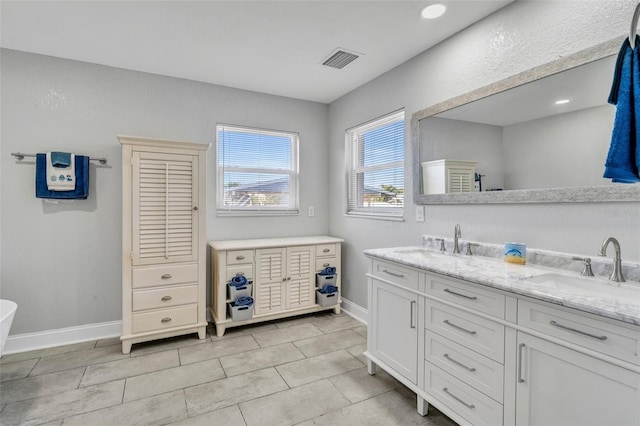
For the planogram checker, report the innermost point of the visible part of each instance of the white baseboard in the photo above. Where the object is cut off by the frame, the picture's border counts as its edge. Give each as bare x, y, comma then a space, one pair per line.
356, 311
61, 336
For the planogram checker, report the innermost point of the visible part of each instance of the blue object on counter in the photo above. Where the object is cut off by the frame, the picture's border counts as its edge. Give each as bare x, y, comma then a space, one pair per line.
238, 281
327, 289
330, 270
244, 301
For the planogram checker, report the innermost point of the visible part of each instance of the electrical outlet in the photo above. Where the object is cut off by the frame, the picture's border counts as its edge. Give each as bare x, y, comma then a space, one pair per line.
419, 213
311, 211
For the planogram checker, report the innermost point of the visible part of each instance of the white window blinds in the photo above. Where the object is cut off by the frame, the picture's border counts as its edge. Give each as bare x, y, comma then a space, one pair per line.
257, 171
376, 167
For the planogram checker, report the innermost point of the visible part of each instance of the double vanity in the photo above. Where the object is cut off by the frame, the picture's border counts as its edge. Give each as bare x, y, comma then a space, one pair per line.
492, 343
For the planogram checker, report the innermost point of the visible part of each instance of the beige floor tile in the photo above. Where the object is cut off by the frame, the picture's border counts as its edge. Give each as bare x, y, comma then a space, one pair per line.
217, 349
293, 406
160, 345
305, 319
230, 416
108, 342
16, 370
384, 410
245, 362
37, 386
358, 385
156, 410
290, 334
337, 322
130, 367
233, 390
358, 352
328, 342
69, 360
244, 330
171, 379
361, 331
64, 404
47, 352
320, 367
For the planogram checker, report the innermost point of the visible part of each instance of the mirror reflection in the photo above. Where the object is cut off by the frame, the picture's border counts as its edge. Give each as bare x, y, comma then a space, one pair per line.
549, 133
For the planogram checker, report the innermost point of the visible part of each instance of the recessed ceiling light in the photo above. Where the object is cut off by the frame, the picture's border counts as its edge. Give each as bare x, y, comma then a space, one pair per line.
433, 11
562, 101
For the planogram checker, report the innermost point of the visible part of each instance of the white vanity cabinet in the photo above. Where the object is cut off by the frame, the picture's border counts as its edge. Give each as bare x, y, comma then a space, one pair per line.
282, 272
559, 385
163, 245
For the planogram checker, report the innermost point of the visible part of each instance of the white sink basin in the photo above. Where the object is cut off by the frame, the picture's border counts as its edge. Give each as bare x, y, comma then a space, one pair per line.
589, 286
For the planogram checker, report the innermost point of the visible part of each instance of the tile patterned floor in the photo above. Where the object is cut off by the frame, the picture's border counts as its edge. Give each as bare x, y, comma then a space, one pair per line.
302, 371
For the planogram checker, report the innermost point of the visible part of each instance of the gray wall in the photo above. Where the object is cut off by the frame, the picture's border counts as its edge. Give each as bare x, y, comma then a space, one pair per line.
514, 39
62, 262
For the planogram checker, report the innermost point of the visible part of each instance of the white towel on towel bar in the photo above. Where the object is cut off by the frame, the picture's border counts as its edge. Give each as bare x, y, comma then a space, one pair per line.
61, 178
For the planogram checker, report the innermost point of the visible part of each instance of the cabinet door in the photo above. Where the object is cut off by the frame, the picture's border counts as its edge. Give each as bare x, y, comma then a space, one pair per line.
270, 278
300, 285
394, 316
559, 386
164, 208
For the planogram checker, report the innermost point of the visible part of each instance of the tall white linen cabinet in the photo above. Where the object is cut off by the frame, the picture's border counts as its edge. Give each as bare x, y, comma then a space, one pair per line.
163, 239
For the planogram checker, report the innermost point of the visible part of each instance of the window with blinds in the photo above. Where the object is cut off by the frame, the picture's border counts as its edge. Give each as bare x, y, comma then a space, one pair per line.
376, 167
257, 171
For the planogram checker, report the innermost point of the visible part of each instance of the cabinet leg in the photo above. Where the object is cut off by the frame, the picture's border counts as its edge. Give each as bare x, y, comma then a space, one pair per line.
336, 310
202, 333
220, 329
423, 405
126, 347
371, 367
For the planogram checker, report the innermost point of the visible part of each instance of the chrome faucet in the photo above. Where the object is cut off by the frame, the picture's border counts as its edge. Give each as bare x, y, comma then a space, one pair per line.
616, 274
456, 235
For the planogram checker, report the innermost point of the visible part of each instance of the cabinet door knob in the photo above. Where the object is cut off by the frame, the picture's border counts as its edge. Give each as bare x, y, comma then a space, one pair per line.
165, 320
166, 276
195, 208
166, 298
239, 257
326, 251
326, 264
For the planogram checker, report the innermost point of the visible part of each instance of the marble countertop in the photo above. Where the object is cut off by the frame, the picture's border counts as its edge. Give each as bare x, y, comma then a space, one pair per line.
564, 287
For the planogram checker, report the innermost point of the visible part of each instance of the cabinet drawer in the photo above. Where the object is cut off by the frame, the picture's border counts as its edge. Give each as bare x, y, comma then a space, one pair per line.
474, 369
164, 297
481, 335
481, 300
325, 263
323, 250
239, 256
474, 406
617, 341
396, 274
165, 318
156, 275
245, 269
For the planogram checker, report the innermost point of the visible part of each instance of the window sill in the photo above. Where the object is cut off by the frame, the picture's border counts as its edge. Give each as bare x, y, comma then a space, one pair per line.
257, 213
376, 217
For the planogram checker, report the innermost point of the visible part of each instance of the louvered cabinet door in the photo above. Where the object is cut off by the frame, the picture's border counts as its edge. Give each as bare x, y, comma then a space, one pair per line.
270, 281
165, 208
300, 285
460, 180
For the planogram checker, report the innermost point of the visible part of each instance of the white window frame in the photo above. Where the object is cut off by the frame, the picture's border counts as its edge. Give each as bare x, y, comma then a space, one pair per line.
293, 173
354, 147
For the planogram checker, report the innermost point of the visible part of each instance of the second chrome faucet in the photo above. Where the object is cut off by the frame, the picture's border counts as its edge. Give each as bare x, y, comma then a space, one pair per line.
616, 274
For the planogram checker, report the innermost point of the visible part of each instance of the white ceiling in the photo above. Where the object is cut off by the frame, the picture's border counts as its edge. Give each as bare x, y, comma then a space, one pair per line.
267, 46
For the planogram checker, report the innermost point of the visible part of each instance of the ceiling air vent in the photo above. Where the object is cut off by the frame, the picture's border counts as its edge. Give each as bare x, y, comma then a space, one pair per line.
340, 58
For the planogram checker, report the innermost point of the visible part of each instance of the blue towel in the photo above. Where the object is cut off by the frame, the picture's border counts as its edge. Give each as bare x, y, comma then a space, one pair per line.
623, 160
243, 301
328, 289
61, 159
330, 270
238, 281
82, 180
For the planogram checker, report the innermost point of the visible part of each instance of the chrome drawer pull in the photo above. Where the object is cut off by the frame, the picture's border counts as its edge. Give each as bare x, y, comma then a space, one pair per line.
411, 324
459, 328
470, 406
166, 276
239, 257
166, 298
165, 320
461, 295
326, 264
520, 347
555, 324
326, 251
393, 273
458, 363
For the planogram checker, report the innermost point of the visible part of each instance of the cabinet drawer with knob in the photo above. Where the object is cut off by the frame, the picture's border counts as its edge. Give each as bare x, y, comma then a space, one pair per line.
165, 318
236, 257
157, 275
164, 297
325, 250
326, 263
396, 274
